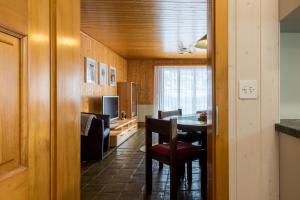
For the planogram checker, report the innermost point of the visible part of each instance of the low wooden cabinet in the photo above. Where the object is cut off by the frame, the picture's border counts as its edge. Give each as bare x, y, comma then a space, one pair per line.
121, 130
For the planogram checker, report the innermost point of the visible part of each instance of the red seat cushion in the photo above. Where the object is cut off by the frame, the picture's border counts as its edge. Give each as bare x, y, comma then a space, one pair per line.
185, 151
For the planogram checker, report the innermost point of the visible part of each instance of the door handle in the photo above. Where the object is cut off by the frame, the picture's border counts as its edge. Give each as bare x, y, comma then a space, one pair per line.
217, 120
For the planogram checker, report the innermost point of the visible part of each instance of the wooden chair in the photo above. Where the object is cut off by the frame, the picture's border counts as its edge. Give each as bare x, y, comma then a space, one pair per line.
190, 137
173, 153
164, 114
182, 136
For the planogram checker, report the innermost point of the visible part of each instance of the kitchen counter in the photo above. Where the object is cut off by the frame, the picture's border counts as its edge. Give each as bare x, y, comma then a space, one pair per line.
289, 158
289, 126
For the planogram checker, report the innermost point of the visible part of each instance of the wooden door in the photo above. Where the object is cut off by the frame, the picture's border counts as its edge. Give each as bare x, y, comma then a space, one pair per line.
24, 100
13, 123
218, 169
39, 100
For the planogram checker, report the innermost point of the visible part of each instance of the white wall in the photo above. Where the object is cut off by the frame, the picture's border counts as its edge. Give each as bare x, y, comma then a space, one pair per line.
253, 142
290, 76
144, 110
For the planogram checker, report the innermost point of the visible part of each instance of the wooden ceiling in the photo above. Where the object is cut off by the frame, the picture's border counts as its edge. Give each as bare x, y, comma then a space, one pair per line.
146, 28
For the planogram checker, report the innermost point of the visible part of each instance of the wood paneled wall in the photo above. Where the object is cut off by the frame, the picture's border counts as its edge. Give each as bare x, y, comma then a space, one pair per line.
14, 15
253, 142
91, 93
142, 73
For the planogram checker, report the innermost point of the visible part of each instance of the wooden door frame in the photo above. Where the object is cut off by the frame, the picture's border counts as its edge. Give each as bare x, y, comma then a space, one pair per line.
218, 154
65, 99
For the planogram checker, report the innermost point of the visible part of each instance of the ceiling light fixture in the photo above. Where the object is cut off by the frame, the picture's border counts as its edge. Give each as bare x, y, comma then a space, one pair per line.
202, 43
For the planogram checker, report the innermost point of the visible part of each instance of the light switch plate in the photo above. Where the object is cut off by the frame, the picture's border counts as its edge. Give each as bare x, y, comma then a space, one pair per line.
248, 89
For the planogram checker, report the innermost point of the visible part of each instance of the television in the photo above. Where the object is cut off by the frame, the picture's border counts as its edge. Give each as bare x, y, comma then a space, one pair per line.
110, 106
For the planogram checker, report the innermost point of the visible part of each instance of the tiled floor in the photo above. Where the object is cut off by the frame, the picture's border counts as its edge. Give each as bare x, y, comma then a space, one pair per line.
121, 176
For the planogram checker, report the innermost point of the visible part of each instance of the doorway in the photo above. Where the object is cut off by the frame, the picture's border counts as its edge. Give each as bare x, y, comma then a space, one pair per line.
142, 70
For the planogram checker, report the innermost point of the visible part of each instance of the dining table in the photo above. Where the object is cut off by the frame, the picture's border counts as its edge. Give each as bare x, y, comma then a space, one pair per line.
189, 123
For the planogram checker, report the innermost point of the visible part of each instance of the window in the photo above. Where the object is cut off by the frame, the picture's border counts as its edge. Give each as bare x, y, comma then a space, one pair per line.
181, 87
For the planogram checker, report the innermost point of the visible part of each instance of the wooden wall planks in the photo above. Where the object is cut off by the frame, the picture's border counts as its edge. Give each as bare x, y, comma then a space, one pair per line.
286, 7
146, 29
91, 93
253, 142
142, 73
14, 15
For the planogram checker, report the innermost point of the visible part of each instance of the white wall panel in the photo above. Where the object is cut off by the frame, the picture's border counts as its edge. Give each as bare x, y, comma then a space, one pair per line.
289, 76
253, 55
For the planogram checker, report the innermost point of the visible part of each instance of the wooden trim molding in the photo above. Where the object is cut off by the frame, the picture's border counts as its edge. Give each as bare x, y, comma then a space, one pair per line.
218, 167
221, 97
65, 99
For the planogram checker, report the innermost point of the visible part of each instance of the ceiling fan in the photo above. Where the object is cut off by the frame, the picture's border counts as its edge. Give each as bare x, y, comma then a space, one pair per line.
199, 44
183, 49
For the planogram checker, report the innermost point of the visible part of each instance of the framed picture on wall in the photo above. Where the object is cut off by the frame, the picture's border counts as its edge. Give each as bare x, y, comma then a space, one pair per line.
90, 70
113, 76
103, 74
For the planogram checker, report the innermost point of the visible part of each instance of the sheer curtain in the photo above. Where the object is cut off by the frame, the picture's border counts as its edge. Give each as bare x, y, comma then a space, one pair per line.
180, 87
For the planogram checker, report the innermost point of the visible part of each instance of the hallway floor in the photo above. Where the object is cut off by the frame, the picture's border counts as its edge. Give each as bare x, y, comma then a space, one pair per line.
121, 176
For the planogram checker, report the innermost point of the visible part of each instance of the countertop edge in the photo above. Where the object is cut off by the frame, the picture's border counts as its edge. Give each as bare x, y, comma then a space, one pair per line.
289, 130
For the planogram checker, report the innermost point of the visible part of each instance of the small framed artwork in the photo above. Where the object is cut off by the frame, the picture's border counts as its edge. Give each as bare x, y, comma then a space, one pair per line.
113, 76
90, 70
103, 74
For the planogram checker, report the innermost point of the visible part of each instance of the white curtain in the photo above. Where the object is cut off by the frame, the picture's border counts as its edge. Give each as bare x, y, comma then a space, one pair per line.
180, 87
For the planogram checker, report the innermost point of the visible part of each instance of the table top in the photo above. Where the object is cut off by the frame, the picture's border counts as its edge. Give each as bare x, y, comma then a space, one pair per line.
189, 122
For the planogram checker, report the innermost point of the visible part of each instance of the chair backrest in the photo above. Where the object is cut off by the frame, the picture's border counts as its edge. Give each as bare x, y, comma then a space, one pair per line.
200, 111
165, 128
164, 114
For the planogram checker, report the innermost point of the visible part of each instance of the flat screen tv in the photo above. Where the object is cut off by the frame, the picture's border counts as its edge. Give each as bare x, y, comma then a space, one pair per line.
110, 106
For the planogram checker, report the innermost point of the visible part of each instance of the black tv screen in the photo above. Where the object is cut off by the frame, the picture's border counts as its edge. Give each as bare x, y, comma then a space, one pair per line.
110, 106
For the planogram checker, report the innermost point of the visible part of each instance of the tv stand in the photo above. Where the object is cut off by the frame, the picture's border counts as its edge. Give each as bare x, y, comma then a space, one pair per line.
112, 123
121, 130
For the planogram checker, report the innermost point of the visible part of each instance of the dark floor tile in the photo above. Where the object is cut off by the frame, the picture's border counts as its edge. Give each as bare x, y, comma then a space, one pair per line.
92, 188
110, 171
87, 195
126, 171
107, 196
159, 178
113, 187
121, 176
158, 187
137, 178
154, 196
117, 166
182, 195
85, 180
134, 188
130, 196
102, 179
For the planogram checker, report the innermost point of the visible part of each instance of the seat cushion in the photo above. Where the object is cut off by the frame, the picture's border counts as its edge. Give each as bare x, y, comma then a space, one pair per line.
185, 151
106, 132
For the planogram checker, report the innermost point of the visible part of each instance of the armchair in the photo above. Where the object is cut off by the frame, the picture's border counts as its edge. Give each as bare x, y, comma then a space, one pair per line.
97, 141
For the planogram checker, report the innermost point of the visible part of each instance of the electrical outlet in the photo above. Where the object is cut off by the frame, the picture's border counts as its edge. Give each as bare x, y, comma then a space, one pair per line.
248, 89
